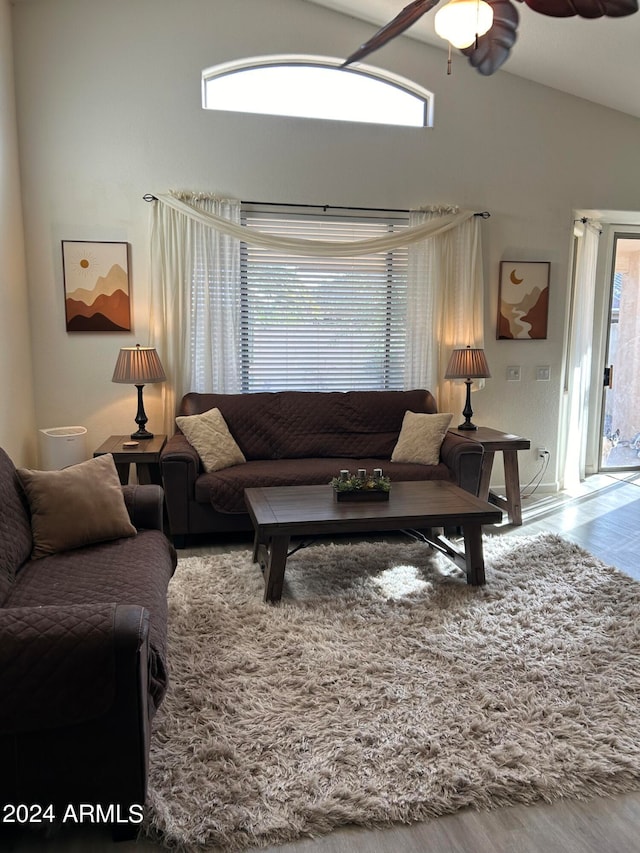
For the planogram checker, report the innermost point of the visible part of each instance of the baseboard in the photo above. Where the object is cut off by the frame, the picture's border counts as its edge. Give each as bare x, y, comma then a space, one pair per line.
549, 488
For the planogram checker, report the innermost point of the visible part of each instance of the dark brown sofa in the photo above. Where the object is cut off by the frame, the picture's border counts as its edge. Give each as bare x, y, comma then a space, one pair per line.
298, 438
82, 660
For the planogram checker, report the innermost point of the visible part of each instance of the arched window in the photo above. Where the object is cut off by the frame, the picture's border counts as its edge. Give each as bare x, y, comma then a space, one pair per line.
316, 87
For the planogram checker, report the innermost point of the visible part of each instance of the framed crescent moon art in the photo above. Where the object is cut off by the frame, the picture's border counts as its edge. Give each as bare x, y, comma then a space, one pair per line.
523, 301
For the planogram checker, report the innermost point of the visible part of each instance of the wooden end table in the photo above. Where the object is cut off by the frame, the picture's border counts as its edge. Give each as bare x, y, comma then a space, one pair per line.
280, 512
145, 456
494, 441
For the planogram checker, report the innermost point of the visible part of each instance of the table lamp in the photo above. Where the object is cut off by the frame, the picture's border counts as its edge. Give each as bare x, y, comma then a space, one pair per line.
467, 364
139, 366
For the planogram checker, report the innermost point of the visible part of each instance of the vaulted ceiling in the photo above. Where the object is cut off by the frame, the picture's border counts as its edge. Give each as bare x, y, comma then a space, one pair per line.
594, 59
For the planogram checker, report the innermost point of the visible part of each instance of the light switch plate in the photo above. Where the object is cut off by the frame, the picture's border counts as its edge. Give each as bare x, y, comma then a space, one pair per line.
543, 374
513, 373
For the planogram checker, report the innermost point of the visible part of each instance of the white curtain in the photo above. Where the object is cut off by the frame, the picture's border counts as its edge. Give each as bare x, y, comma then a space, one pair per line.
445, 304
579, 356
197, 332
195, 329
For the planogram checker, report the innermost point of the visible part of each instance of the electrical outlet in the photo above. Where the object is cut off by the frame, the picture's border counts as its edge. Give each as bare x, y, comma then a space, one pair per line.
542, 452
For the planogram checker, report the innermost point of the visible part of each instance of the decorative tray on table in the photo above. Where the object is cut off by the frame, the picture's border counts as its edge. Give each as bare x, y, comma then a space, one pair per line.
361, 486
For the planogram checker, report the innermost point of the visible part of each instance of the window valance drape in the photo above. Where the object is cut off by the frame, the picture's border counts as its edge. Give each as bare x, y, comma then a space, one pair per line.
447, 218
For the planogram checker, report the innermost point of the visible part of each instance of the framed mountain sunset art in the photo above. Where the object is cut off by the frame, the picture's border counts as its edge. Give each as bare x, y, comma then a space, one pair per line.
96, 286
523, 302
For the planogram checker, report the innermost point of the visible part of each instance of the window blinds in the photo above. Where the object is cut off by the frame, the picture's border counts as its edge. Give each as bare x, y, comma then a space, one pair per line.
327, 324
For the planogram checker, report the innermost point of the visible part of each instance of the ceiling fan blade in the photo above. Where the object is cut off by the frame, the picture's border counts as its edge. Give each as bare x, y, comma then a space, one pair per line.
583, 8
403, 20
495, 46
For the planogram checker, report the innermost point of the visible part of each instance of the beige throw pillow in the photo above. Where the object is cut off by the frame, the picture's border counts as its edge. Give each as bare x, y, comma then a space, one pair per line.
421, 437
76, 506
209, 434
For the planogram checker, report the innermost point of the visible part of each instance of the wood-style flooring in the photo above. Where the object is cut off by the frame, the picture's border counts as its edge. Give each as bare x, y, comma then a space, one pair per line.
603, 516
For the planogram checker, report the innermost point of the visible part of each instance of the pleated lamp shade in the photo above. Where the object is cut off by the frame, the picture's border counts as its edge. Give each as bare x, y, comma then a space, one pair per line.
467, 363
138, 366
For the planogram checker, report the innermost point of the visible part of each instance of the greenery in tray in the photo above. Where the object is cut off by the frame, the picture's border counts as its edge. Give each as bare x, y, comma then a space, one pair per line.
353, 483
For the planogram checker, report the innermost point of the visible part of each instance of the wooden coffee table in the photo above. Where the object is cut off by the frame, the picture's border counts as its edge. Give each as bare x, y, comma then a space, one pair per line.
281, 512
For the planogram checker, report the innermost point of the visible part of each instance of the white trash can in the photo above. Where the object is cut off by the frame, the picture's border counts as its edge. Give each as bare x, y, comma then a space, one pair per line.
62, 446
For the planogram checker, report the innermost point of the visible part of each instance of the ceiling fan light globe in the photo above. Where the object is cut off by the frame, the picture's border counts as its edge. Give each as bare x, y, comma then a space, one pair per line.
460, 21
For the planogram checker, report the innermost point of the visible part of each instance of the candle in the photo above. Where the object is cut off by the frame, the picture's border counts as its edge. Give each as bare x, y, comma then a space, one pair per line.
362, 473
377, 473
344, 474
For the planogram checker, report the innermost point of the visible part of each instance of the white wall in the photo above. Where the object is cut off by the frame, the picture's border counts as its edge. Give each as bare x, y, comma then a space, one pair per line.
17, 416
109, 109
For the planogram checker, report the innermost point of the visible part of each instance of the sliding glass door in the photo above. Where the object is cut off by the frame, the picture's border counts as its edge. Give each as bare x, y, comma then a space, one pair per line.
620, 433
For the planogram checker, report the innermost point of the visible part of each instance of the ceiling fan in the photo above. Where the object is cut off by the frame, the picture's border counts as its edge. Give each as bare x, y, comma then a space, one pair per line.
491, 32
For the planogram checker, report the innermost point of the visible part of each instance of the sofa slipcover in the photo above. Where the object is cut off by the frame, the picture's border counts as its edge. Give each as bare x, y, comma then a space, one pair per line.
298, 438
83, 663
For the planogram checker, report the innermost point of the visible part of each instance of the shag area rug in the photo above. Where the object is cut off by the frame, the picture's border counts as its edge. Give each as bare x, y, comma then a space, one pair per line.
383, 688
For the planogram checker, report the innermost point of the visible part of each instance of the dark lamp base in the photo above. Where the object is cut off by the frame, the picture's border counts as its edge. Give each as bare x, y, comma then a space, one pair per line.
141, 419
142, 434
467, 411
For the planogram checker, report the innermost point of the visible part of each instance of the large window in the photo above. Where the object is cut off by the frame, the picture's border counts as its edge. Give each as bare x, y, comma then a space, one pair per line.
329, 324
316, 87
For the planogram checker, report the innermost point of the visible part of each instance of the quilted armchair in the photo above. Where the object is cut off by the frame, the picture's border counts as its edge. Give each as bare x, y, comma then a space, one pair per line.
82, 643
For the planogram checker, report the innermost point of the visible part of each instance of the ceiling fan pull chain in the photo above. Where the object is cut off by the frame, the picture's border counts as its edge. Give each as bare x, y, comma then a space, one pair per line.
449, 60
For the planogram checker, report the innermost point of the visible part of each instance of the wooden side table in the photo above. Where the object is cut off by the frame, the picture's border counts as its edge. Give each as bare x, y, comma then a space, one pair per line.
494, 441
145, 456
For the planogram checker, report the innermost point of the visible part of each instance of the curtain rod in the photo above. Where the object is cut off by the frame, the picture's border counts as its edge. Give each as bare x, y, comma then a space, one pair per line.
484, 214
